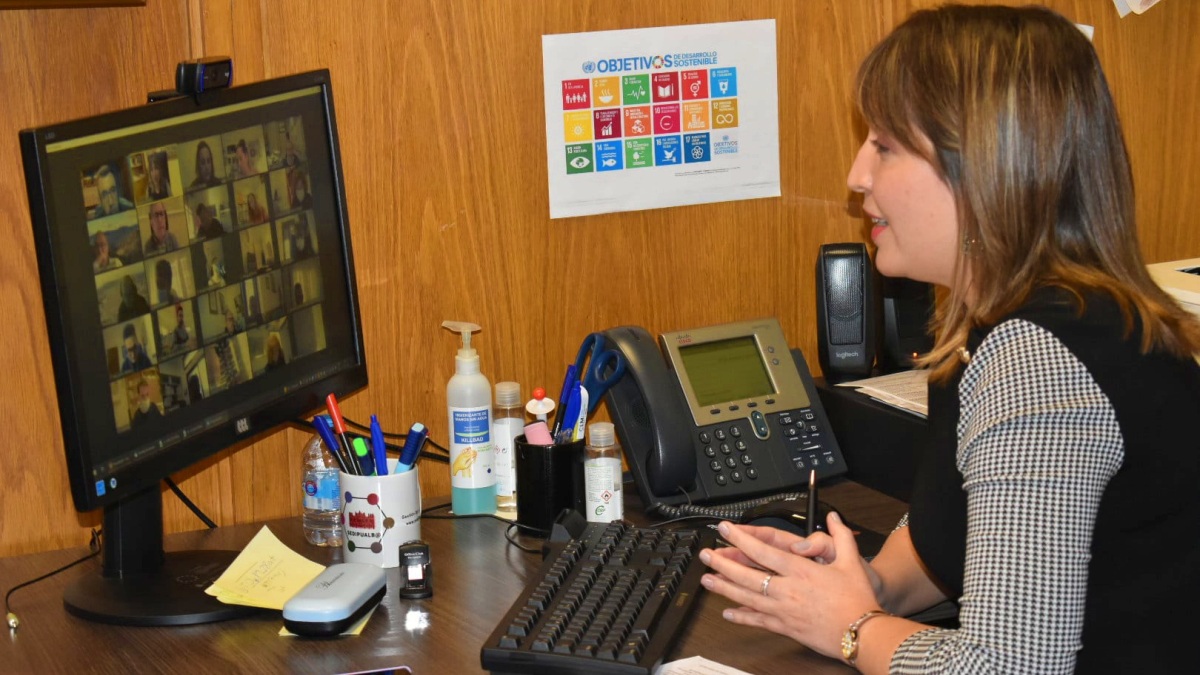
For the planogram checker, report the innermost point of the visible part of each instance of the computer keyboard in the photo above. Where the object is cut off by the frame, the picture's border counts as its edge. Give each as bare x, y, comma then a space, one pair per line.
611, 600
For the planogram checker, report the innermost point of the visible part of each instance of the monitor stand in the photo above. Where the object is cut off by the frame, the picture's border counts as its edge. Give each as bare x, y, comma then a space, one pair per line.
142, 586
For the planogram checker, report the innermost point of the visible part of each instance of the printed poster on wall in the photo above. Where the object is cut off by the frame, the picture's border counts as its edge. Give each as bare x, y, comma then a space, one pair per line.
654, 117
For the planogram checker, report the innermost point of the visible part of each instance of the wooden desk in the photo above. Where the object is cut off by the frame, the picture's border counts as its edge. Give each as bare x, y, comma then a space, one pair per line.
442, 634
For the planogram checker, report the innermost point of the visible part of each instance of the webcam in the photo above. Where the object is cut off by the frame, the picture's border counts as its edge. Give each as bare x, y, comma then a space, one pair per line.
200, 75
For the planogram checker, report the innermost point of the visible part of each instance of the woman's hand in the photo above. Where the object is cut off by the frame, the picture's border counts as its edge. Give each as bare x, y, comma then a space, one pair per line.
808, 589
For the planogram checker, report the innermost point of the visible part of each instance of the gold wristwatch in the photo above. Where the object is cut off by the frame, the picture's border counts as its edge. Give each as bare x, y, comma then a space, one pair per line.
850, 637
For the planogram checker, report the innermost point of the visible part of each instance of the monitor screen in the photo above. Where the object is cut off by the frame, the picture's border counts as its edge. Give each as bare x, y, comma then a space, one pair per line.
197, 278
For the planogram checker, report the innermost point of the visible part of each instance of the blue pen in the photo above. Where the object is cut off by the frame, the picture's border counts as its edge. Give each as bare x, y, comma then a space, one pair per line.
566, 433
325, 431
412, 447
378, 447
563, 399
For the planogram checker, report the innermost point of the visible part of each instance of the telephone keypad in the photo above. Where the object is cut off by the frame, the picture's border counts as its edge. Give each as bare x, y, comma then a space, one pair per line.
798, 428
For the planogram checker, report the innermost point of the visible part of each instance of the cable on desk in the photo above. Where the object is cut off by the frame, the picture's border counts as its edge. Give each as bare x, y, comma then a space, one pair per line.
425, 513
93, 545
732, 511
404, 436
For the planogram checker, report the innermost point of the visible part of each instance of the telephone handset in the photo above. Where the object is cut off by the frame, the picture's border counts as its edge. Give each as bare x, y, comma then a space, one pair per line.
718, 414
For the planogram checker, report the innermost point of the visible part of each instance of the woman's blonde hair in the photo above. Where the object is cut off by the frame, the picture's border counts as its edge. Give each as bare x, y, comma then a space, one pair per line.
1021, 126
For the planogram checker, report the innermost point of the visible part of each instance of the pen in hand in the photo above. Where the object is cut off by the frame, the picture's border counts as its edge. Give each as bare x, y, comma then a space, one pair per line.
810, 515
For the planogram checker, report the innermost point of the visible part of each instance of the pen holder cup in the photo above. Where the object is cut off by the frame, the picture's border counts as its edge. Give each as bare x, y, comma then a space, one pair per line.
549, 479
379, 513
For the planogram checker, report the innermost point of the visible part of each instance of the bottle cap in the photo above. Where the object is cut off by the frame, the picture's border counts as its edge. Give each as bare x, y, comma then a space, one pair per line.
508, 394
600, 434
540, 405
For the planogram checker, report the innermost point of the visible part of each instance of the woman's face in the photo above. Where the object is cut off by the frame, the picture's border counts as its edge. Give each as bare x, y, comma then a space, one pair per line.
158, 221
912, 210
101, 247
204, 163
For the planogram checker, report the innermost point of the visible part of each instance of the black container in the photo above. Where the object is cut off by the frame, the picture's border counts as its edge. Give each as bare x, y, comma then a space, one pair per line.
549, 479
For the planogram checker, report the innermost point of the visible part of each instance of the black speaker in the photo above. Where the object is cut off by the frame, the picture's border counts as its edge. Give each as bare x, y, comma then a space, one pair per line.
907, 309
847, 314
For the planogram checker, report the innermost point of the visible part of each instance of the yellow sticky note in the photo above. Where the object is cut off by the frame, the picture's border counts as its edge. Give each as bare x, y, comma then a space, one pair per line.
265, 574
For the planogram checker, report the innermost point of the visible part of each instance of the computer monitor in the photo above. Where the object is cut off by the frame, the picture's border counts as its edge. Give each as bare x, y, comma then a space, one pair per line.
199, 290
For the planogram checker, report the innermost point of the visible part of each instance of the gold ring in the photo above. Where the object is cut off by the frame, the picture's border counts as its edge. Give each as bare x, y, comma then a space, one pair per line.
765, 583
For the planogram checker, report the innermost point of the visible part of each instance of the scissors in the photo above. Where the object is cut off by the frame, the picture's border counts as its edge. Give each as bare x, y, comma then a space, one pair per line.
602, 360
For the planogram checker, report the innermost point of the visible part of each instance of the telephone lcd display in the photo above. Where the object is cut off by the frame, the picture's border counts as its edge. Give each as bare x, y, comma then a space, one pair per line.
726, 370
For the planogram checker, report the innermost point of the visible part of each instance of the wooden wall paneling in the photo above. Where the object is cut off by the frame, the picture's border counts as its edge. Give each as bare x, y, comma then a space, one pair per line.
1150, 60
439, 104
56, 65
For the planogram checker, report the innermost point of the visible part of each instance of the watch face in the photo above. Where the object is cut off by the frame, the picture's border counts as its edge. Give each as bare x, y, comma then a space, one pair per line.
849, 645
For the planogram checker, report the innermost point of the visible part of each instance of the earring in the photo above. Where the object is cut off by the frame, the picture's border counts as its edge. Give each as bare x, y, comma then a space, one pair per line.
967, 243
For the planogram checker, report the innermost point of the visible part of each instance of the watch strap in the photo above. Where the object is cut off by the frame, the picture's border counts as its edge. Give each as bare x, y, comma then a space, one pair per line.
850, 637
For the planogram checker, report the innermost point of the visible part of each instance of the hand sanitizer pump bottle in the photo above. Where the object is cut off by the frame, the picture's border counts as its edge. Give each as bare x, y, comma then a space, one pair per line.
469, 404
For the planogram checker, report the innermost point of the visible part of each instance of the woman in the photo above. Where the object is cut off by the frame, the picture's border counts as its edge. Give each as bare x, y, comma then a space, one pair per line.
298, 197
275, 356
1055, 498
159, 184
161, 240
206, 171
255, 213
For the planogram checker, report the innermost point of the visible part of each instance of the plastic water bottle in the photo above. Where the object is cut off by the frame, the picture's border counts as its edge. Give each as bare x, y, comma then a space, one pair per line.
322, 495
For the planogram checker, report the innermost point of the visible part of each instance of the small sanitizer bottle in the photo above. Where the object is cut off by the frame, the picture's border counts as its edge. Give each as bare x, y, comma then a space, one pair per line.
469, 404
602, 475
508, 422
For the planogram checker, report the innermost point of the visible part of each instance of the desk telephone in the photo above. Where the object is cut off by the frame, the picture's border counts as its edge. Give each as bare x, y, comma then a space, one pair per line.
718, 414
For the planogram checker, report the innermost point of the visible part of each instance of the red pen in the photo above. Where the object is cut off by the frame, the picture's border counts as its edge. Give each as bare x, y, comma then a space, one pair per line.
339, 426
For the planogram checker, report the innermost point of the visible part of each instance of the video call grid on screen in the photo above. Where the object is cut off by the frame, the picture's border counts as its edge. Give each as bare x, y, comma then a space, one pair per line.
196, 241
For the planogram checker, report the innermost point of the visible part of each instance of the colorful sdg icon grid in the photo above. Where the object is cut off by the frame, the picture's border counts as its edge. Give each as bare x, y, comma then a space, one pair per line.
617, 122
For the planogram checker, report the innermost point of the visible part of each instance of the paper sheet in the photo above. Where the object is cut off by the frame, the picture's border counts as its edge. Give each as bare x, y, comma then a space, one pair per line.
697, 665
265, 574
907, 390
